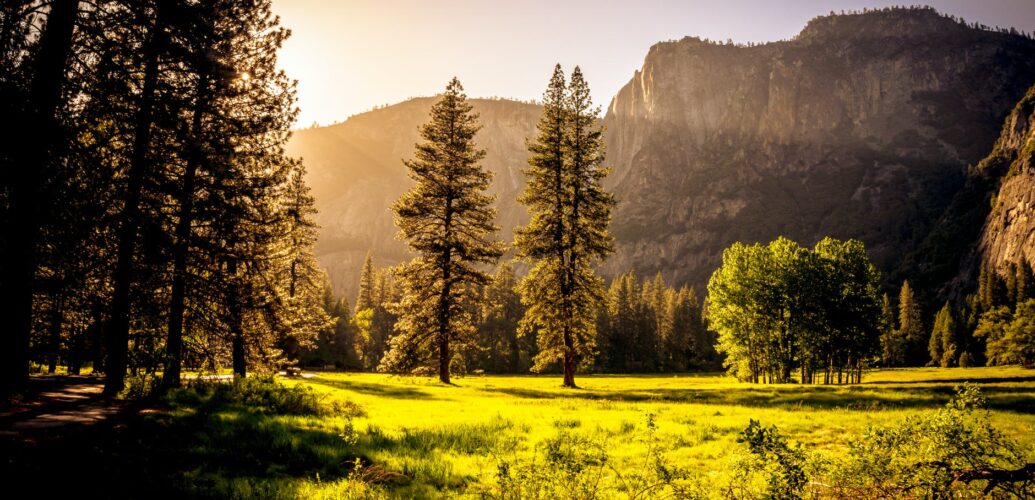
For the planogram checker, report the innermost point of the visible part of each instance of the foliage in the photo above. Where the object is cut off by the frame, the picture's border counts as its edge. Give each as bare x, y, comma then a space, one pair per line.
262, 394
448, 221
652, 327
1010, 335
911, 332
955, 452
781, 307
942, 344
782, 465
498, 347
568, 231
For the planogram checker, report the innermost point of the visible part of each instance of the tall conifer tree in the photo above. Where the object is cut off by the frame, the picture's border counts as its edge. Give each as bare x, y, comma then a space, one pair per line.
567, 234
911, 328
447, 219
365, 297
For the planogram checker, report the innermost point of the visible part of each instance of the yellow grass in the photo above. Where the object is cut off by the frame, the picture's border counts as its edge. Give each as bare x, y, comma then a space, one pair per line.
449, 440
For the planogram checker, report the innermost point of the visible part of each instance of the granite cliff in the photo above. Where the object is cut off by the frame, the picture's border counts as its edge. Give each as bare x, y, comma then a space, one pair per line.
1008, 235
863, 126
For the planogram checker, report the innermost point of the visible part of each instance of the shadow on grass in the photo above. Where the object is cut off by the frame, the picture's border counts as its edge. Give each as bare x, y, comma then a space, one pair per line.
974, 380
1015, 399
207, 451
374, 389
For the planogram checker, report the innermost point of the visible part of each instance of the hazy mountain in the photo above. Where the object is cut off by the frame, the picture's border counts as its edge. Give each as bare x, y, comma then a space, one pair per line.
862, 126
356, 172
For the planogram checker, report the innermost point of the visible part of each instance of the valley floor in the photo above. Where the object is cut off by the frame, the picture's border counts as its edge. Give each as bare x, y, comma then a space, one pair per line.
491, 435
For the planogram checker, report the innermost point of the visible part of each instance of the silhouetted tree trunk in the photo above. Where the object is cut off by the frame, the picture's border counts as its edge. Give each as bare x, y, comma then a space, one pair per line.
56, 316
32, 158
177, 304
236, 321
117, 334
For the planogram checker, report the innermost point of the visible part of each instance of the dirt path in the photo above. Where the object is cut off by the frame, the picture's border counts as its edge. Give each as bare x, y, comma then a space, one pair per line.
55, 403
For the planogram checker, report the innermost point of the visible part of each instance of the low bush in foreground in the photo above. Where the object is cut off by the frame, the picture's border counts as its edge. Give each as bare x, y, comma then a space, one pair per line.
262, 395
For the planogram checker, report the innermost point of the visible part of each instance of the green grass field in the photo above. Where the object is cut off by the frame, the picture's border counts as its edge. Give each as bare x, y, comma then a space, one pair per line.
345, 435
436, 439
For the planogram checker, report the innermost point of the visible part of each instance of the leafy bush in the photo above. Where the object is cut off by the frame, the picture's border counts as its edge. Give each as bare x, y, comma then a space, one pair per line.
140, 386
955, 452
571, 465
264, 395
782, 465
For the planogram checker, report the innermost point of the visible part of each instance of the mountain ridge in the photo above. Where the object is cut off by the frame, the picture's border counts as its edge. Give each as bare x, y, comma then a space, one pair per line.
862, 126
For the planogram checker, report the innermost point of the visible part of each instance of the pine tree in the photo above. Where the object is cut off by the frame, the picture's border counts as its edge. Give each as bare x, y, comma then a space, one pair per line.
1025, 281
891, 344
447, 219
501, 311
30, 149
303, 316
364, 299
1010, 283
911, 330
567, 234
942, 345
143, 114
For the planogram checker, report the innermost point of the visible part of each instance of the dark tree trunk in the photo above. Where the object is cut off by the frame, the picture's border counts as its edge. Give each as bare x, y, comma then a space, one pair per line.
56, 317
177, 301
239, 362
443, 358
236, 319
32, 158
569, 363
75, 352
117, 333
515, 352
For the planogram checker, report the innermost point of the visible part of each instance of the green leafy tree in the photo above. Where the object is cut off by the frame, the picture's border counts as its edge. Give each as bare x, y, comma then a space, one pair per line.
781, 306
1009, 336
567, 234
447, 219
942, 344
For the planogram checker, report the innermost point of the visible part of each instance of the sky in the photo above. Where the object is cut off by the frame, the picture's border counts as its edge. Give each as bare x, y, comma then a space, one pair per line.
350, 56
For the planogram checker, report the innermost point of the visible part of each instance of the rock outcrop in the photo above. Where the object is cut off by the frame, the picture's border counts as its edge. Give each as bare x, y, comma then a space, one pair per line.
862, 126
1008, 235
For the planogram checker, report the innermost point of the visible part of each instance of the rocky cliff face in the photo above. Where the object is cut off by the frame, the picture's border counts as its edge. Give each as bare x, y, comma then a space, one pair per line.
356, 172
1008, 235
862, 126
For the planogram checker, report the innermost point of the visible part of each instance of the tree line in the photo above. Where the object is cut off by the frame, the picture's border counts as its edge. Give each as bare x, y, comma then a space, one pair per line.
784, 313
782, 310
643, 326
152, 220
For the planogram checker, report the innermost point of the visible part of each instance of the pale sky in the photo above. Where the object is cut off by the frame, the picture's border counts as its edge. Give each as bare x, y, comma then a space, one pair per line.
352, 55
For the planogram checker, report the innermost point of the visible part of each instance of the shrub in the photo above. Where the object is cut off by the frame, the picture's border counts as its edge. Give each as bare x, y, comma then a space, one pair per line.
263, 394
955, 452
140, 386
782, 465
